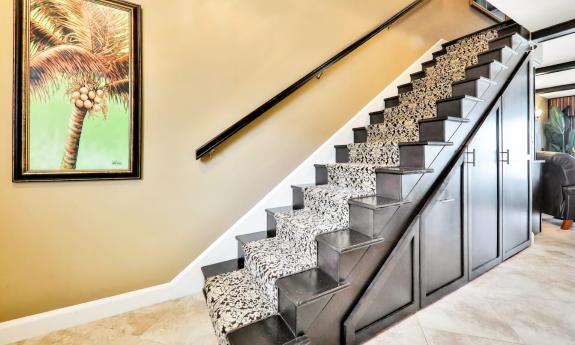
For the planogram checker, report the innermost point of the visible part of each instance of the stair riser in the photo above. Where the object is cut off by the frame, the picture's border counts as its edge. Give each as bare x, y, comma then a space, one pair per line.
437, 130
369, 222
429, 64
512, 42
374, 119
417, 76
439, 53
456, 108
418, 156
514, 29
396, 186
360, 135
475, 88
297, 198
405, 88
503, 55
392, 102
337, 265
341, 154
489, 71
299, 318
321, 175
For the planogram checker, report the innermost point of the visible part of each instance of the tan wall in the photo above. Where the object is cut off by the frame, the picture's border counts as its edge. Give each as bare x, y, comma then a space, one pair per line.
541, 103
206, 64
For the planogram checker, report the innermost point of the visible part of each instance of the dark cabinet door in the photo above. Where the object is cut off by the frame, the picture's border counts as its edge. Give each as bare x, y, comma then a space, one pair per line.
515, 194
483, 197
443, 241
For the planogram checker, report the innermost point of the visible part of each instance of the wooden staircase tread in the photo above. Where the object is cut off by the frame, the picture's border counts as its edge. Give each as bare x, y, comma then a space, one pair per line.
254, 236
454, 98
502, 65
480, 78
511, 50
376, 202
346, 240
221, 267
308, 286
269, 331
444, 118
279, 209
403, 170
426, 143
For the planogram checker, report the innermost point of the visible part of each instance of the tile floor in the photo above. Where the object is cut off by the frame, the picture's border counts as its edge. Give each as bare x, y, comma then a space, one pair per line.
528, 300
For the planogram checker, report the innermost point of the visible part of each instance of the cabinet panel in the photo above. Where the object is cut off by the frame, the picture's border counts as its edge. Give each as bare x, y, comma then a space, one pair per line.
515, 164
483, 197
443, 241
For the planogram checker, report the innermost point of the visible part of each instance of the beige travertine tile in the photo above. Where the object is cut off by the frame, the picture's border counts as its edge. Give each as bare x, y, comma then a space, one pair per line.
539, 321
61, 337
529, 299
436, 337
473, 316
407, 332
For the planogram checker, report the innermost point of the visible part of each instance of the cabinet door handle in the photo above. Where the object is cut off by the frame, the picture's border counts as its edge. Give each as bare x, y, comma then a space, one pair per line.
506, 159
472, 153
447, 200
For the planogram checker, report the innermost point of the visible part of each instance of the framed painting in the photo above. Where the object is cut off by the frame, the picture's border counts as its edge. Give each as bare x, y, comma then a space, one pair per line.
77, 90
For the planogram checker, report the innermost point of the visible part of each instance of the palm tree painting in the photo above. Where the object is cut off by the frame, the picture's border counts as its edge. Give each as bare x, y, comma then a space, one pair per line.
78, 112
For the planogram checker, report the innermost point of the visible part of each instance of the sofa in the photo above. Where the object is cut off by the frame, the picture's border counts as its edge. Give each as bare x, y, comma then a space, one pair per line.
558, 186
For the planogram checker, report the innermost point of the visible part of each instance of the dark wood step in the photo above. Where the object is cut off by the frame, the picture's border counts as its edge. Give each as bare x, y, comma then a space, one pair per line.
511, 40
302, 296
428, 64
271, 220
474, 87
396, 183
360, 135
439, 53
298, 194
269, 331
369, 215
341, 154
488, 70
514, 28
457, 106
391, 102
320, 174
376, 202
404, 88
420, 154
502, 54
439, 129
222, 267
346, 240
376, 117
417, 75
252, 237
338, 251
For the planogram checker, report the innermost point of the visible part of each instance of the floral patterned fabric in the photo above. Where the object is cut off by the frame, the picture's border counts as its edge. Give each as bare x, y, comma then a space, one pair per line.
238, 298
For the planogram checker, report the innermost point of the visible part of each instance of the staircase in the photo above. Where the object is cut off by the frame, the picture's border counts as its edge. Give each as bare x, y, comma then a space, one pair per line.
303, 279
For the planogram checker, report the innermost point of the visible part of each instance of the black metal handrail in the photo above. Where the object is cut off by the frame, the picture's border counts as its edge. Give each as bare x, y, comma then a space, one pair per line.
246, 120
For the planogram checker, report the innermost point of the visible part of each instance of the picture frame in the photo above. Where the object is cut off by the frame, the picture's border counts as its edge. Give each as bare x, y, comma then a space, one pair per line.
77, 93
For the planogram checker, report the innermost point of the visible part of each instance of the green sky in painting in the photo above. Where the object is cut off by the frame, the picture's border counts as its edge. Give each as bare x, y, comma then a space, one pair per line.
104, 144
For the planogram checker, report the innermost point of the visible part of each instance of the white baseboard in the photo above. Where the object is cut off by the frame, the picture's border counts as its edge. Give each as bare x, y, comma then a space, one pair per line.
190, 280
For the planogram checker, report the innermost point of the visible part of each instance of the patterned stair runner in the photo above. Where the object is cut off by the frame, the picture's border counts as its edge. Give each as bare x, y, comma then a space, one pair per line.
242, 297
